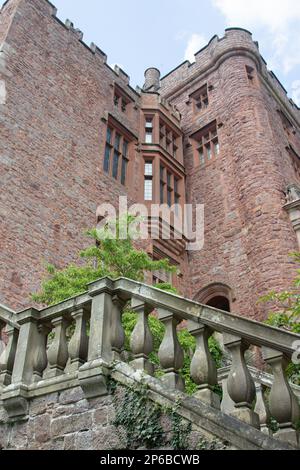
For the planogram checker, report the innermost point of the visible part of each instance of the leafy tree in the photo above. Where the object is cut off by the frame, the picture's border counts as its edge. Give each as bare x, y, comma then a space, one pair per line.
110, 255
286, 313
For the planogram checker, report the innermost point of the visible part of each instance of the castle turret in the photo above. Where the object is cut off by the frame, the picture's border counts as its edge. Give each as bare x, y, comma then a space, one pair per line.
152, 79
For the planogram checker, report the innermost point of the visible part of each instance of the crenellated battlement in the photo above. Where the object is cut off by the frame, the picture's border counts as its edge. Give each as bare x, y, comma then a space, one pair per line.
236, 41
47, 7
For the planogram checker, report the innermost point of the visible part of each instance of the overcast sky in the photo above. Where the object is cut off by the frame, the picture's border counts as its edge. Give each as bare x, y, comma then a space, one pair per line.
137, 34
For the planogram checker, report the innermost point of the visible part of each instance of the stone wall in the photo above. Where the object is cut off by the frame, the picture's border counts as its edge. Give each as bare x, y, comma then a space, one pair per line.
62, 392
52, 146
59, 93
248, 234
67, 421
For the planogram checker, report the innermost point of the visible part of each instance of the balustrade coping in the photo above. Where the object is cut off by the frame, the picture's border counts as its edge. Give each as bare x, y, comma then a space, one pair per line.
254, 332
259, 376
8, 316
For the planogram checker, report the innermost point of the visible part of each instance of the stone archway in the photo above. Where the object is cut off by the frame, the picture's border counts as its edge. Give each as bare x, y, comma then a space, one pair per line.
216, 295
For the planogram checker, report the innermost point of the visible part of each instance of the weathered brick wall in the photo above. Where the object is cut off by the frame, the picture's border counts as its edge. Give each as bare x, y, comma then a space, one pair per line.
67, 421
248, 235
51, 147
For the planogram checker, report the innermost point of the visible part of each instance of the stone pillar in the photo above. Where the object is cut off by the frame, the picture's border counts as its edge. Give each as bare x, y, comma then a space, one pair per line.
284, 406
78, 344
15, 395
7, 357
92, 375
203, 368
58, 351
141, 342
170, 352
240, 384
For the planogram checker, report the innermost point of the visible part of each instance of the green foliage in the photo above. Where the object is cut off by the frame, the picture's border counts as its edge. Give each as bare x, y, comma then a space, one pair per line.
180, 430
108, 256
166, 287
204, 444
186, 340
139, 418
286, 313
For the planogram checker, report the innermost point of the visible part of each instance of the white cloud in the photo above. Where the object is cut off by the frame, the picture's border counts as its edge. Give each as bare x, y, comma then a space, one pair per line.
195, 43
275, 14
279, 22
296, 92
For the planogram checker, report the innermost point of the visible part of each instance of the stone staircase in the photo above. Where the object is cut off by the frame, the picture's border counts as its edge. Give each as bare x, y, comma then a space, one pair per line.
41, 365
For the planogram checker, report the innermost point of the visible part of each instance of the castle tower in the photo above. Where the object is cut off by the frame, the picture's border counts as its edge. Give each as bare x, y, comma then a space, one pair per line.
74, 134
241, 151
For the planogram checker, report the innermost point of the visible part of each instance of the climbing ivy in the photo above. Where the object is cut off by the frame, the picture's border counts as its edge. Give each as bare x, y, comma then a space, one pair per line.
180, 430
204, 444
138, 418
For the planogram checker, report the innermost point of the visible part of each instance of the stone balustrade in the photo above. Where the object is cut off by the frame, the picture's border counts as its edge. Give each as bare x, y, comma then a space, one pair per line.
9, 337
79, 341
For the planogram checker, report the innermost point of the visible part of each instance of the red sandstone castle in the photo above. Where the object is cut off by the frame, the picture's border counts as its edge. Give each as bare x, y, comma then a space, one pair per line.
74, 134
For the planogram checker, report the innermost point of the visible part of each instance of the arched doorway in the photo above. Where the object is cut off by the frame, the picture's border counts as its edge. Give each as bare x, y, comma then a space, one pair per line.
216, 295
220, 302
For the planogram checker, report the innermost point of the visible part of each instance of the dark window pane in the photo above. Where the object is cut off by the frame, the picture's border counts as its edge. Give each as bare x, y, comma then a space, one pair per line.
162, 190
169, 197
175, 185
124, 170
115, 165
201, 156
208, 152
125, 148
162, 173
106, 158
108, 135
117, 141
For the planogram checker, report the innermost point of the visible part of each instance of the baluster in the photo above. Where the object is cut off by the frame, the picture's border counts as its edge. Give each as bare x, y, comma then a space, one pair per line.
203, 368
240, 384
58, 351
8, 356
40, 362
117, 334
170, 353
141, 342
92, 375
283, 404
227, 404
262, 409
78, 345
15, 400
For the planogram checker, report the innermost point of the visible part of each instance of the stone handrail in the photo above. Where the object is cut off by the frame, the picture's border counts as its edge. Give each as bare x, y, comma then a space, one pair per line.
78, 341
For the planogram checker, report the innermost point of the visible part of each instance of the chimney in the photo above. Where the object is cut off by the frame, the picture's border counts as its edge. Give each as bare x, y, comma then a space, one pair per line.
152, 79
